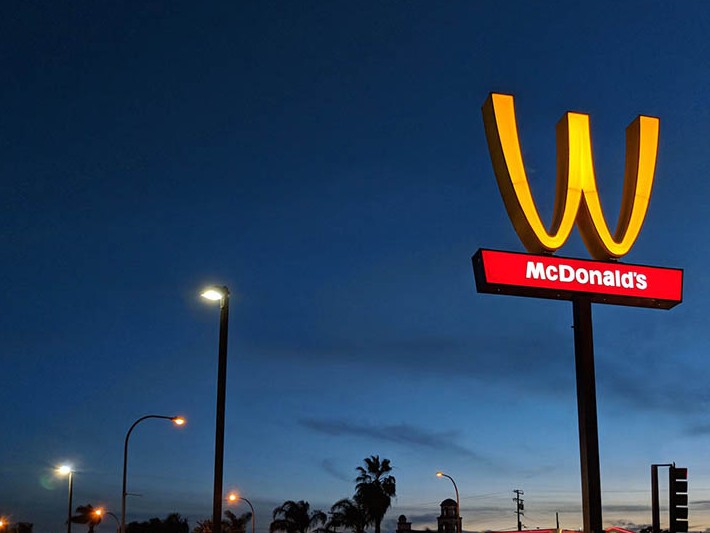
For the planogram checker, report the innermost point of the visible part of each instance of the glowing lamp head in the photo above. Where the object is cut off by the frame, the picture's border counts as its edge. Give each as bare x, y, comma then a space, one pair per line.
232, 497
439, 474
64, 470
215, 294
179, 421
98, 512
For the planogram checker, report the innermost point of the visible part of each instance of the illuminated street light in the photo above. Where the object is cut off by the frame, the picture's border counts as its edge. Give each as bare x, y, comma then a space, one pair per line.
66, 470
220, 294
235, 498
177, 420
214, 293
458, 506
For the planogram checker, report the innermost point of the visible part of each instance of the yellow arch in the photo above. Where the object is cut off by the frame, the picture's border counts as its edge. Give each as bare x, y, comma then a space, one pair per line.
576, 198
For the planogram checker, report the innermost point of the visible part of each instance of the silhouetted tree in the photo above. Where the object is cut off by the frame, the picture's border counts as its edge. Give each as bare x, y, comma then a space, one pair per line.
349, 515
203, 526
296, 517
173, 523
20, 527
375, 489
86, 514
232, 524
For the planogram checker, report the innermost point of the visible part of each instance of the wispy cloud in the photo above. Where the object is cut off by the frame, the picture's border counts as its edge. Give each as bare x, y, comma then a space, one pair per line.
625, 507
634, 369
404, 434
338, 474
700, 504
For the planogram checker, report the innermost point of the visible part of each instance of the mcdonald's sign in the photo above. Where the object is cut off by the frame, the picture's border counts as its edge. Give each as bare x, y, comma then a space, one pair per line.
576, 203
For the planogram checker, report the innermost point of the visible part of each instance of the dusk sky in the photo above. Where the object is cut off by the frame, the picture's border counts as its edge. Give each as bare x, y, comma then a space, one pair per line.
327, 162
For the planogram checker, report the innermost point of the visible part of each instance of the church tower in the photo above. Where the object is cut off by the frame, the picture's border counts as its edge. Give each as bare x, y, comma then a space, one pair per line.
448, 521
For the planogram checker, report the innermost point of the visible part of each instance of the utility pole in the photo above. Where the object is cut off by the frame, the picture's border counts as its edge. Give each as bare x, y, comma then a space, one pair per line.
519, 507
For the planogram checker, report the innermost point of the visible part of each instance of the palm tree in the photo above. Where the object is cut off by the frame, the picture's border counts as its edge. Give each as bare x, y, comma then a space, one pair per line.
203, 526
86, 514
173, 523
234, 523
296, 517
374, 489
349, 515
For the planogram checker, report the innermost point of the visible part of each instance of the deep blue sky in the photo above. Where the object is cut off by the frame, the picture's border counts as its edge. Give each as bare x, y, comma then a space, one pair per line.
327, 162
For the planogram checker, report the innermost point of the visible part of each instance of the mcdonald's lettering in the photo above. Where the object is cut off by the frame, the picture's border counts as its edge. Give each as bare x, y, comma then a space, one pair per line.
592, 276
546, 276
577, 199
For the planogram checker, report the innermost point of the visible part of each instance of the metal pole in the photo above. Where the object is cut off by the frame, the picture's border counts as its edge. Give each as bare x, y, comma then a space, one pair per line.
125, 465
458, 506
253, 514
655, 509
219, 430
71, 491
587, 415
118, 525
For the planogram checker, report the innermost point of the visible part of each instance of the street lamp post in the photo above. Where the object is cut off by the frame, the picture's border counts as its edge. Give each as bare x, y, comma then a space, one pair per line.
220, 294
235, 498
177, 420
458, 505
101, 512
65, 470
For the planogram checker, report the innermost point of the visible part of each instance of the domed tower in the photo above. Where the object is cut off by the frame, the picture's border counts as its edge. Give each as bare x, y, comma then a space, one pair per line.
403, 526
448, 520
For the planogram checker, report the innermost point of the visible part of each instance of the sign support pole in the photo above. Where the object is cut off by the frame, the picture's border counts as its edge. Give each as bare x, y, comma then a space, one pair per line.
587, 415
655, 507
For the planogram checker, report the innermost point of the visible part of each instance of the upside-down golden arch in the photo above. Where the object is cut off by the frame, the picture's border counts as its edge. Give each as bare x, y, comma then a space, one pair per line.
577, 198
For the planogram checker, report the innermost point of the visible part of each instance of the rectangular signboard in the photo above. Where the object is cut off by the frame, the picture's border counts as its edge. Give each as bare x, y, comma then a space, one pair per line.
560, 278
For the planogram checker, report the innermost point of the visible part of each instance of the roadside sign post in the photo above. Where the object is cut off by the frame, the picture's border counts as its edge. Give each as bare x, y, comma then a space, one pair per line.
539, 274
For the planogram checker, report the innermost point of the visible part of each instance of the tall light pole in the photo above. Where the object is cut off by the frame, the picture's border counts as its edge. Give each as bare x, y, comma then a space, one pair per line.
236, 498
458, 505
177, 420
66, 470
221, 295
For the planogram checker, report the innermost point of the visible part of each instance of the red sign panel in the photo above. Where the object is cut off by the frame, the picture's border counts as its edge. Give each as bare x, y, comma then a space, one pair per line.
560, 278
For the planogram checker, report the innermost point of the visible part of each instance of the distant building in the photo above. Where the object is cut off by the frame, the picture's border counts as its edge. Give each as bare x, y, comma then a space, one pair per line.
612, 529
446, 521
